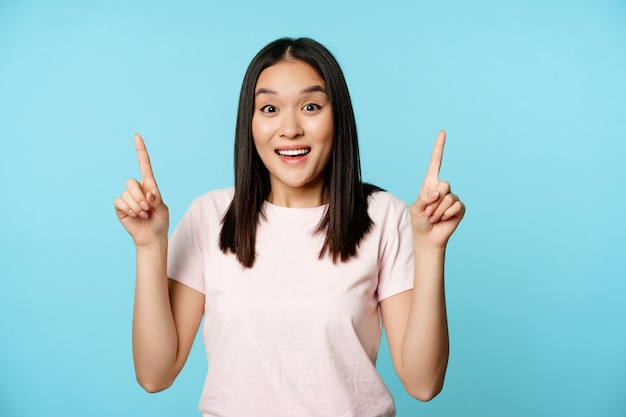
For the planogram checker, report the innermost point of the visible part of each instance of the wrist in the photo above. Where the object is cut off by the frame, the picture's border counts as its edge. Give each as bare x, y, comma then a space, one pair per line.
427, 247
156, 245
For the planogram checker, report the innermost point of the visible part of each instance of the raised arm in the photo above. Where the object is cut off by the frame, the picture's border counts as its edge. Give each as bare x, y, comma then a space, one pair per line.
415, 321
166, 314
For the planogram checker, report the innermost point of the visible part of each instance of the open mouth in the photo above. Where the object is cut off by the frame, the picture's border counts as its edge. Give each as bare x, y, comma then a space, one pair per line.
292, 152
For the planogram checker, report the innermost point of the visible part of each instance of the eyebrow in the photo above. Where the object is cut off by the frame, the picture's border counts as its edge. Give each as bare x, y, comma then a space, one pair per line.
311, 89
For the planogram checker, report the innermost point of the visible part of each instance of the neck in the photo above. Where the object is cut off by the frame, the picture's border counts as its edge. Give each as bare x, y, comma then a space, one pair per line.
302, 197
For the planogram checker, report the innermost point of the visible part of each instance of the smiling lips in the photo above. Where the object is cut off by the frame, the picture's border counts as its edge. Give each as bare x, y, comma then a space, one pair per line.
292, 152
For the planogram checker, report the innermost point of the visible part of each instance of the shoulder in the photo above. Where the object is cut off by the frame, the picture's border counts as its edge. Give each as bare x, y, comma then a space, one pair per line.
219, 197
204, 216
214, 202
384, 205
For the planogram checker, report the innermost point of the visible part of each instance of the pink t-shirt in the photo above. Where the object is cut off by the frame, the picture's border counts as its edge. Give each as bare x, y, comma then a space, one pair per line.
295, 335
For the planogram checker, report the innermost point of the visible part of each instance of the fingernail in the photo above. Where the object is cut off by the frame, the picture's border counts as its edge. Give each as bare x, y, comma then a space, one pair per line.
143, 215
132, 213
144, 206
151, 196
429, 210
432, 219
433, 194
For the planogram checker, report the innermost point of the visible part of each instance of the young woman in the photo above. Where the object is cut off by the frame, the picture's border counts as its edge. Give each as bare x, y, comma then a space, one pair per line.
298, 266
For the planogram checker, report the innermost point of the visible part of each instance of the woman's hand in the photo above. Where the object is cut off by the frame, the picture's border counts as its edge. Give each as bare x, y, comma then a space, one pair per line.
140, 208
437, 212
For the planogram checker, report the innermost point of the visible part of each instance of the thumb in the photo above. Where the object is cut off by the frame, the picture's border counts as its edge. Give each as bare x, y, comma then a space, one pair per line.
153, 196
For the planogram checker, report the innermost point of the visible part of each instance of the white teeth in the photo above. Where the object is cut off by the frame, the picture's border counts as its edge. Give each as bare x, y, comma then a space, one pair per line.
293, 152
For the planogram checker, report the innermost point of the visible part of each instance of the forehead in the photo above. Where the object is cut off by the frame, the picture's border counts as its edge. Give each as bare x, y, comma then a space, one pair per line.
287, 75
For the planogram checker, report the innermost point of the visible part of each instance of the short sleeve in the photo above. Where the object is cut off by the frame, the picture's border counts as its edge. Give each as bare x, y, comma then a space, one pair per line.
396, 262
184, 259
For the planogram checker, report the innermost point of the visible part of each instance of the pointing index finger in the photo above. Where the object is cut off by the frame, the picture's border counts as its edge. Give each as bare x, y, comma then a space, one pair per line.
144, 160
437, 156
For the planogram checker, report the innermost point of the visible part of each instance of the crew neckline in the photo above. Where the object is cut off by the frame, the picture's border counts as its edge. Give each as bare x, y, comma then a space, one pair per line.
294, 213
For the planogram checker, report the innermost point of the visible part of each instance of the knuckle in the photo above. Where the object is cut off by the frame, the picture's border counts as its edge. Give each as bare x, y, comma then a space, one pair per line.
127, 197
131, 182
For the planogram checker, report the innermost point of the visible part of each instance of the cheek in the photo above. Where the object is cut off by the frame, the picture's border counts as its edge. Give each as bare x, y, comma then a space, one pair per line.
262, 130
329, 130
322, 130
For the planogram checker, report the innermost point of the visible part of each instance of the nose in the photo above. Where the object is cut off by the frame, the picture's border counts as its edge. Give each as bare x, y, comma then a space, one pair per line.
290, 127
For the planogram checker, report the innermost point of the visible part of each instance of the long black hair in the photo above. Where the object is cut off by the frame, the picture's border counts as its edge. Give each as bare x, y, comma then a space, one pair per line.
346, 220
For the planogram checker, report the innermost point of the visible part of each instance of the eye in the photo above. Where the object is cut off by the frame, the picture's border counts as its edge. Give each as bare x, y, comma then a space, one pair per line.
268, 109
311, 107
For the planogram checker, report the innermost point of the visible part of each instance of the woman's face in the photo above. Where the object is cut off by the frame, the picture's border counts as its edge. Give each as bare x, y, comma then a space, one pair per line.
292, 126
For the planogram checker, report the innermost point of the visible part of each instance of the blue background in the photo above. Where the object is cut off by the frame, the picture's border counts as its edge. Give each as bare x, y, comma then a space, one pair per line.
532, 94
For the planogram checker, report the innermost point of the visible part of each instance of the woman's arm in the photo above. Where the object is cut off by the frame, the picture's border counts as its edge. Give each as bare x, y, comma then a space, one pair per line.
166, 314
417, 329
415, 321
166, 318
